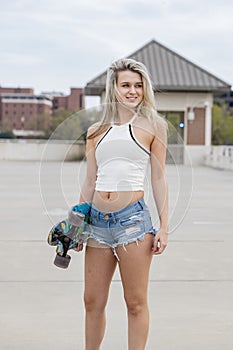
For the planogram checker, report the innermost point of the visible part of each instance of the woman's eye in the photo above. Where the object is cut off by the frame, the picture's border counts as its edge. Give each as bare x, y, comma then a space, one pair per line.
137, 86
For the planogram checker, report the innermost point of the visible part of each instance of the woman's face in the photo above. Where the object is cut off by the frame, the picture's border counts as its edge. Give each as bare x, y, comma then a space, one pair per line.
130, 88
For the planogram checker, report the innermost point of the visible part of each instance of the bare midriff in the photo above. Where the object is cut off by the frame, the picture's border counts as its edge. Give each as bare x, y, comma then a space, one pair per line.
112, 201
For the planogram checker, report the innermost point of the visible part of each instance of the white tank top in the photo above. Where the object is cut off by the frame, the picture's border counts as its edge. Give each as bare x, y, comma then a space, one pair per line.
121, 159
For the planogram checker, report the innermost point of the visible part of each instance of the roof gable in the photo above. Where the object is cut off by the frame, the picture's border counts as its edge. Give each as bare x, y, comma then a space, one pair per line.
168, 70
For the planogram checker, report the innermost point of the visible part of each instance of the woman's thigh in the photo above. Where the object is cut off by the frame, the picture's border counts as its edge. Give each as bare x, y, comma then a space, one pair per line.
134, 265
100, 264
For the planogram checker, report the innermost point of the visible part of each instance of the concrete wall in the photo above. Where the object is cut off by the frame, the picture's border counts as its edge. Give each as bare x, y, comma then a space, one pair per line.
193, 155
38, 150
220, 157
189, 155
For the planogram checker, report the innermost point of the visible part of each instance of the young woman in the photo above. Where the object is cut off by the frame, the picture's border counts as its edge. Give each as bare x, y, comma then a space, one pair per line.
118, 150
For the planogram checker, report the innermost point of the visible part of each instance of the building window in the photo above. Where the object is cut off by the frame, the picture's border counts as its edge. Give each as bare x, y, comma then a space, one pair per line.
81, 101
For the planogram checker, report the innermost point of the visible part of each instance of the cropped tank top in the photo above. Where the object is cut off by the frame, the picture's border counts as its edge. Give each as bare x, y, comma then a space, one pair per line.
121, 159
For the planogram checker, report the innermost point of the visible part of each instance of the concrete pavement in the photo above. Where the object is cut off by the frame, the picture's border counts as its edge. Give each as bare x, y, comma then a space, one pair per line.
191, 284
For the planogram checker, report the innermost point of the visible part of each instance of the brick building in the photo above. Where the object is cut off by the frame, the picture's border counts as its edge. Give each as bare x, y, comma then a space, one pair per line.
21, 109
73, 102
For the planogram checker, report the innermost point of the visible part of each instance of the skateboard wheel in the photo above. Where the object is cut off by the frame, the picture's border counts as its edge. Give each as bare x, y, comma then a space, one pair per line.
62, 261
76, 218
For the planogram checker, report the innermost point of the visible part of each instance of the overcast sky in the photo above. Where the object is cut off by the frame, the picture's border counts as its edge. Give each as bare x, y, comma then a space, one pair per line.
53, 44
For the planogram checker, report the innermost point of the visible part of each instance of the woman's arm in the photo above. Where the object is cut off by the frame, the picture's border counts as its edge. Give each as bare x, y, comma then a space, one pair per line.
159, 185
88, 187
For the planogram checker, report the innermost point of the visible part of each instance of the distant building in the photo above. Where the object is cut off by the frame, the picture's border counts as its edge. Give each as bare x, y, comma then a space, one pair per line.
72, 102
20, 108
184, 93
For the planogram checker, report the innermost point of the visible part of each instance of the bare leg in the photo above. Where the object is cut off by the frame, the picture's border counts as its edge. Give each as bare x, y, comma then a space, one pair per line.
100, 264
134, 268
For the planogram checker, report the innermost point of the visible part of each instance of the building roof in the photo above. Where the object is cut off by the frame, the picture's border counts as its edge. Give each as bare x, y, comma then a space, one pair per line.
169, 71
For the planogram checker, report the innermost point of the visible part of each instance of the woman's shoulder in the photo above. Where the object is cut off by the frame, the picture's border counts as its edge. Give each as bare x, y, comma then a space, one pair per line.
94, 127
144, 123
157, 121
153, 126
97, 129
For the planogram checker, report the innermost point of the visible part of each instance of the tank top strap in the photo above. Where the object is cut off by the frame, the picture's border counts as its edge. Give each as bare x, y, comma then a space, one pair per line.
132, 119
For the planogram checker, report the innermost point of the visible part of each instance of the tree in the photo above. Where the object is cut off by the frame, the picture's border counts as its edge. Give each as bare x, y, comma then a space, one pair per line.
222, 126
7, 134
68, 125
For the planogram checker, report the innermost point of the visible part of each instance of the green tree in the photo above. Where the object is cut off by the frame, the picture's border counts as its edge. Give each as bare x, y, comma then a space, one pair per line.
222, 126
7, 134
68, 125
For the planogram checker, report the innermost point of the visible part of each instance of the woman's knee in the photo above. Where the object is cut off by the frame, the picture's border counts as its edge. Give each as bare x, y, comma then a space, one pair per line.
135, 305
94, 302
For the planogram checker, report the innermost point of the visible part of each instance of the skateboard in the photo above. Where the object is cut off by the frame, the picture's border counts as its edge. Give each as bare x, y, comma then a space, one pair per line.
68, 233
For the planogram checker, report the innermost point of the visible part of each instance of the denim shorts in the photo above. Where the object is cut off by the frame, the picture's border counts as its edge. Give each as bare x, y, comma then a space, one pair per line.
121, 227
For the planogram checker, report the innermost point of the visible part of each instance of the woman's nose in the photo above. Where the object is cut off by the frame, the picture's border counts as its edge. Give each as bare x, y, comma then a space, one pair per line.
132, 89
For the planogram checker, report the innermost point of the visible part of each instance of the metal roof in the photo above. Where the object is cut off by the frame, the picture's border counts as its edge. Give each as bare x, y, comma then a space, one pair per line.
169, 71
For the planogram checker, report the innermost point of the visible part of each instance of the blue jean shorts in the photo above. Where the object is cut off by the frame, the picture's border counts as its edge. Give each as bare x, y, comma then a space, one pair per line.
121, 227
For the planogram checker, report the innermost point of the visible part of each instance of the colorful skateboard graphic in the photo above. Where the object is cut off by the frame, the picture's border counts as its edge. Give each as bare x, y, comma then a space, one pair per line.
69, 232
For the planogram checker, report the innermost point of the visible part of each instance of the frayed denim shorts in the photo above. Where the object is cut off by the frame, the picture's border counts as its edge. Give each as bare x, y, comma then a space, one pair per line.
121, 227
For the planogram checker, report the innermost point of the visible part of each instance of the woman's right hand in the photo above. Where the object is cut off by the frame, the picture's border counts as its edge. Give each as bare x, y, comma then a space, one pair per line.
79, 247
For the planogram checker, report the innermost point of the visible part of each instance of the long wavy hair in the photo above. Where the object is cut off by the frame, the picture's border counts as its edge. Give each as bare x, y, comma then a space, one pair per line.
146, 108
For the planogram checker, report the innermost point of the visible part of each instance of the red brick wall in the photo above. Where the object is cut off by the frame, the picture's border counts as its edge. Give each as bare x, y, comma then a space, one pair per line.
72, 102
60, 102
75, 99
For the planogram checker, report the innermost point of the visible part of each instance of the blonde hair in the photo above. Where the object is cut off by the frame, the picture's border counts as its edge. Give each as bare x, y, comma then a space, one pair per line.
146, 108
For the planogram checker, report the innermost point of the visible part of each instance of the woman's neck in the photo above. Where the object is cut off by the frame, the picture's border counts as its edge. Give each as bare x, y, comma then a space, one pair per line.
124, 114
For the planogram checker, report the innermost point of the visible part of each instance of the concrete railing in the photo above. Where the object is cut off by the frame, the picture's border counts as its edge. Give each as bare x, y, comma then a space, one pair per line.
220, 157
37, 150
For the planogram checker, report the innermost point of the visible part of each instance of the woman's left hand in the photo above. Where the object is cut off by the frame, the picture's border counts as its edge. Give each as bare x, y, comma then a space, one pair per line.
160, 242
